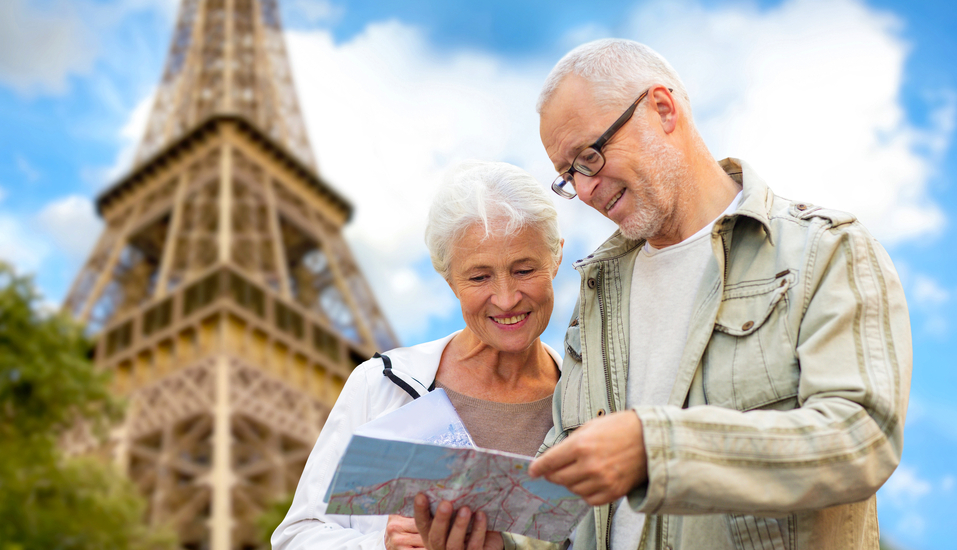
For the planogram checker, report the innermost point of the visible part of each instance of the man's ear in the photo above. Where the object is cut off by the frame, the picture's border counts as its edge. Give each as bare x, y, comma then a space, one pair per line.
667, 107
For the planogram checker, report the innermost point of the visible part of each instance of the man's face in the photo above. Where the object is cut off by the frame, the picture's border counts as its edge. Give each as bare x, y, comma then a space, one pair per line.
637, 187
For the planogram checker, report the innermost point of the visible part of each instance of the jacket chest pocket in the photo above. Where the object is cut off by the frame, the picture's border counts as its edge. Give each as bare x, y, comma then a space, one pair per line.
757, 533
750, 361
572, 385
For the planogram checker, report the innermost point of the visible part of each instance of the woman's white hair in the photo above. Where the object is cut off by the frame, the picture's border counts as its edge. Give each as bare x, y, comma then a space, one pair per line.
618, 69
500, 197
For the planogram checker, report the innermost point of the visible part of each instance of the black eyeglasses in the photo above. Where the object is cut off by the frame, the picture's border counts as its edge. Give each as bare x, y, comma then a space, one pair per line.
590, 161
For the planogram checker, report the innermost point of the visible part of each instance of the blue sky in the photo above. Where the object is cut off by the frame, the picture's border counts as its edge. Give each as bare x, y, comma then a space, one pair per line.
845, 103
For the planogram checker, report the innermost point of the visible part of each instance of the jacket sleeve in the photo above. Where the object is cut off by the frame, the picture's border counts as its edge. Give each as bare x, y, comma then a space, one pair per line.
306, 525
845, 437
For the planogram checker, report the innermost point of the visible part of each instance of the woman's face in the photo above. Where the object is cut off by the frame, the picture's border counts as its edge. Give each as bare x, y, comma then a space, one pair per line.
504, 283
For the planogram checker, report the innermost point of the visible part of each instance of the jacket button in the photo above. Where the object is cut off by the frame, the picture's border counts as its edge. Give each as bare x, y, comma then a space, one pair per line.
601, 412
801, 207
574, 322
747, 326
591, 283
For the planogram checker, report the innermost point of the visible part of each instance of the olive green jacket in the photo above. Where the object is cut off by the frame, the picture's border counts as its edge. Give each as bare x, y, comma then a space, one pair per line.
788, 410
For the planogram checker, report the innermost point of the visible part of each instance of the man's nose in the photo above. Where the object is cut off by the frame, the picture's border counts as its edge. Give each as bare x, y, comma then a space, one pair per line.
586, 186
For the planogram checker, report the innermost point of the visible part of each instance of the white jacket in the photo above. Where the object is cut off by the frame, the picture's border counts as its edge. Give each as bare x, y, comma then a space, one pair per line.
367, 395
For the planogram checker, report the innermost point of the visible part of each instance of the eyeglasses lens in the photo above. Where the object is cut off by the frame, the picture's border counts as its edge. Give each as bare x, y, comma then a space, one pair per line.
564, 186
589, 162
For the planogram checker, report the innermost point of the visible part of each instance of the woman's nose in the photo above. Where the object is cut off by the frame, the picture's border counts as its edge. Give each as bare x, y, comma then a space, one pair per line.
506, 295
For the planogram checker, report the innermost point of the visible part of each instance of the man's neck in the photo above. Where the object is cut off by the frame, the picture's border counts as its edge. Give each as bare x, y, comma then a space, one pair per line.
706, 193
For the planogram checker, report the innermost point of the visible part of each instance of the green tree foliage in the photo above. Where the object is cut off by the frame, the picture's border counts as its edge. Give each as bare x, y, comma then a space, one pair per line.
47, 384
270, 518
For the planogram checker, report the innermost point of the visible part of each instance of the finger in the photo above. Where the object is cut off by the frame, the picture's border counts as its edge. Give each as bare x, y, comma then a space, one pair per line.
556, 458
414, 539
477, 539
493, 540
404, 524
572, 474
460, 529
437, 535
423, 515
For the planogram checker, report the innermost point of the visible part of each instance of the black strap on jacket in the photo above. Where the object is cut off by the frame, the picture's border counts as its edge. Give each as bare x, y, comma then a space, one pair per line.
387, 371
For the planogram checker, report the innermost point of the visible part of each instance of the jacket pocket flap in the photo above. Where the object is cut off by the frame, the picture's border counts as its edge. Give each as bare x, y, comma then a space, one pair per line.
573, 340
746, 306
574, 411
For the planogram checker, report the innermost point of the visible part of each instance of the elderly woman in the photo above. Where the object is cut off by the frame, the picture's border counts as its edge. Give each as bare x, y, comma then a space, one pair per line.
493, 234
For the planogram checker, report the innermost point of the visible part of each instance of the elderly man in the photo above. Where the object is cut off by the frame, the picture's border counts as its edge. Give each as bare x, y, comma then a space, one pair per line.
737, 371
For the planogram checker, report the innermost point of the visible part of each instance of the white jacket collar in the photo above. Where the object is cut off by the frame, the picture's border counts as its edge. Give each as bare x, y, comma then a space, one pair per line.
417, 365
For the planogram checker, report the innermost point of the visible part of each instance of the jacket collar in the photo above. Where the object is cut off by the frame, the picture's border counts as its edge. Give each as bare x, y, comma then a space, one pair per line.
756, 202
420, 363
756, 197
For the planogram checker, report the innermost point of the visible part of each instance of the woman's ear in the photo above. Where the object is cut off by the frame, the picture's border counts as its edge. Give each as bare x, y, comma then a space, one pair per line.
452, 286
561, 255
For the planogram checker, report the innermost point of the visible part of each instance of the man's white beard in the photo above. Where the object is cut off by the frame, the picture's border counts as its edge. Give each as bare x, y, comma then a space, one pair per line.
659, 198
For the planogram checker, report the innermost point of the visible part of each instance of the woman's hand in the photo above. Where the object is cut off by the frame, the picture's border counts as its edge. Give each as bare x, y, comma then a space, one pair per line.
401, 534
441, 533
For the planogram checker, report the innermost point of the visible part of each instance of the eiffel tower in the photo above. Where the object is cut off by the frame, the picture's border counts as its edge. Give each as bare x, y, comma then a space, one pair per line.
224, 299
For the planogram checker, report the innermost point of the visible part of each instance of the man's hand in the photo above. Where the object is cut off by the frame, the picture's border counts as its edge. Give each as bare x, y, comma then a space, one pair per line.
601, 461
401, 534
441, 533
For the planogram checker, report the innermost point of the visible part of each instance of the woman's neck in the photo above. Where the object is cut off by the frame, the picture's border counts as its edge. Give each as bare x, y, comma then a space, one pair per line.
472, 367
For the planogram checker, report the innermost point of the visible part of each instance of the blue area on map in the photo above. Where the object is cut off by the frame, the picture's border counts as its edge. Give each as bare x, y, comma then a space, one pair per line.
546, 489
371, 461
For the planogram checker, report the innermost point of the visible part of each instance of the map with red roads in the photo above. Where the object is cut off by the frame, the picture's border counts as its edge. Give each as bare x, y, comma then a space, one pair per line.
378, 477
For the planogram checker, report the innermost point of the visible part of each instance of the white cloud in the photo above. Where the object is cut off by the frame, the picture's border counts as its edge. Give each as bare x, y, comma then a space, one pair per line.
905, 487
928, 292
72, 224
419, 296
20, 246
129, 139
40, 48
927, 295
808, 92
312, 12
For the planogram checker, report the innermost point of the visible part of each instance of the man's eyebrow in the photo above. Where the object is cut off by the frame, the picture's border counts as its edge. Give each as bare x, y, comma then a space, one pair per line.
575, 152
565, 165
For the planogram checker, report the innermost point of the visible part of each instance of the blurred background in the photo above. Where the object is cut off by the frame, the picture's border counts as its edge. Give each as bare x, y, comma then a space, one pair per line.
844, 103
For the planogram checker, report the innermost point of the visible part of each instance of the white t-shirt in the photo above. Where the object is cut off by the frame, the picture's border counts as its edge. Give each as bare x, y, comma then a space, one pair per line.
663, 289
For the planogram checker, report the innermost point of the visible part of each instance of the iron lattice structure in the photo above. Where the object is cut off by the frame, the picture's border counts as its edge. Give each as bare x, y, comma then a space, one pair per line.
225, 300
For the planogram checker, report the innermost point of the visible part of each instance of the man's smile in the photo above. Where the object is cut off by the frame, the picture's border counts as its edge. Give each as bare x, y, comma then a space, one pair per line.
613, 201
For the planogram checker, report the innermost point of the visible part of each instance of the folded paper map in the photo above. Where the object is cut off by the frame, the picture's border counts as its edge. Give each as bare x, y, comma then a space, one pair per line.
428, 419
378, 476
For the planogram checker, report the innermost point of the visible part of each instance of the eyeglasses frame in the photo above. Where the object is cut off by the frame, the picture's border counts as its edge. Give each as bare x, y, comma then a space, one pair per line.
568, 176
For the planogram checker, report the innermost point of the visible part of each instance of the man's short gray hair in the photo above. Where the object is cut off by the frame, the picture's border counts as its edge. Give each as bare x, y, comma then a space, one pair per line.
618, 69
500, 197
